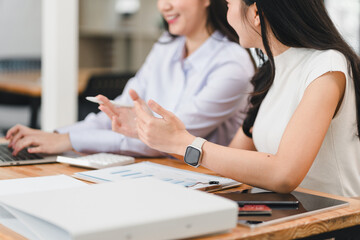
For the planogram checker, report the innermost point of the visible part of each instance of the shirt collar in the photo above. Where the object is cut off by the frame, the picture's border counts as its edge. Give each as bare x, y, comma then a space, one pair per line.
198, 59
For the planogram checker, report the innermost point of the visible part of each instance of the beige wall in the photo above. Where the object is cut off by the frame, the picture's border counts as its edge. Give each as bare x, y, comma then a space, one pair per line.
110, 40
20, 28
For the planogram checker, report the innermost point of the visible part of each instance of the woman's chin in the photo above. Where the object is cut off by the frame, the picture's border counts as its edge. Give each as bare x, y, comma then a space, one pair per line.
176, 32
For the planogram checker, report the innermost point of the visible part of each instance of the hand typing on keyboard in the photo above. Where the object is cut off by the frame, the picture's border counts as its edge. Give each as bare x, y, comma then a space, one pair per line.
36, 141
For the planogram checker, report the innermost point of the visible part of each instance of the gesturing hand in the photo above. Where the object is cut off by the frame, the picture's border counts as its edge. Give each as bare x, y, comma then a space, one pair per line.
166, 134
123, 119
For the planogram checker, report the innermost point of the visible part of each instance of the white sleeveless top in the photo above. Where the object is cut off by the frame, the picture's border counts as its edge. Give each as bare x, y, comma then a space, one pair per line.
336, 169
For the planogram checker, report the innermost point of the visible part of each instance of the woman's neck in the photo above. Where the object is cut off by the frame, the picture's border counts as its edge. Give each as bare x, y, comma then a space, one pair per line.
194, 41
276, 46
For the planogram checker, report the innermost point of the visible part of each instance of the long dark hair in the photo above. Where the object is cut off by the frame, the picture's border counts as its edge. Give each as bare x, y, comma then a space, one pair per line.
216, 20
300, 24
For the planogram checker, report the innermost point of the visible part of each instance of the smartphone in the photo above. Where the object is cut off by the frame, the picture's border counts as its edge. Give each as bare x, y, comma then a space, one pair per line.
271, 199
116, 104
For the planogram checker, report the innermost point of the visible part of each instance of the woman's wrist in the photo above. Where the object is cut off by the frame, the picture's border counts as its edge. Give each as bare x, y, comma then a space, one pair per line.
184, 141
66, 142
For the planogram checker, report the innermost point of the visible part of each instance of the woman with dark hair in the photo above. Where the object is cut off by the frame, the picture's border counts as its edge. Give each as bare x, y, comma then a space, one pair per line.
197, 72
303, 124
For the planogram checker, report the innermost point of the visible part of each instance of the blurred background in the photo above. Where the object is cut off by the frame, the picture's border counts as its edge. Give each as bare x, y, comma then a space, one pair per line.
114, 38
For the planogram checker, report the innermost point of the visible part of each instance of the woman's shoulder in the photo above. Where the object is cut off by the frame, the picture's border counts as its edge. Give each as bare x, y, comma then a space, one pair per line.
328, 57
328, 60
319, 62
313, 60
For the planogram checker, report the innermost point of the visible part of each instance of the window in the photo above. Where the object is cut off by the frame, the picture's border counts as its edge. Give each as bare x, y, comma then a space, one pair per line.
346, 16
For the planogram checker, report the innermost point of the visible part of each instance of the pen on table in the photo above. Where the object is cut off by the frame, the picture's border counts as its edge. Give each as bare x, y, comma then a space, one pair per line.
210, 183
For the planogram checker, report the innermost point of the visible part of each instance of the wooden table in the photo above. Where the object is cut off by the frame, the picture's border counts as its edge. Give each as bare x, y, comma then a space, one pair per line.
28, 83
304, 227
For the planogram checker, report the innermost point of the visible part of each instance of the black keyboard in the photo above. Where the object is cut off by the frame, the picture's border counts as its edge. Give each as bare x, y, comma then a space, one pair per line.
6, 155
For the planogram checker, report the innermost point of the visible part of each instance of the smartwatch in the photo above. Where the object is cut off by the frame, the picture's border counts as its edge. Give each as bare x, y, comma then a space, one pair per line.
193, 152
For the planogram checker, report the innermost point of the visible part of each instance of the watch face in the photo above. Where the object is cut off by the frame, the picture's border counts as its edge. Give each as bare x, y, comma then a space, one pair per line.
192, 156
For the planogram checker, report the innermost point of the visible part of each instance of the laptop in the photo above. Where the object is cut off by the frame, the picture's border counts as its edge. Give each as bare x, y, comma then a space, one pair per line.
23, 157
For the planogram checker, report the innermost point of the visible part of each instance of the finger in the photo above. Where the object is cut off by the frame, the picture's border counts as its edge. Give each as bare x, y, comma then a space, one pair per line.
140, 132
159, 110
141, 115
23, 143
19, 135
134, 95
106, 102
37, 149
12, 131
107, 111
146, 107
102, 98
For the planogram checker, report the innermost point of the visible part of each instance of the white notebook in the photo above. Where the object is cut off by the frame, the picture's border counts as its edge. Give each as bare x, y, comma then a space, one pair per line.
31, 185
132, 209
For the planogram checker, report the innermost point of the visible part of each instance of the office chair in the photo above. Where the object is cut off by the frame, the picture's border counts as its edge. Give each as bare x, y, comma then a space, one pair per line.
20, 105
21, 65
110, 85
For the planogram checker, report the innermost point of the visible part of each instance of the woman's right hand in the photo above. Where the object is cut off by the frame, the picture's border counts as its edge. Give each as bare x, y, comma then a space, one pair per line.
166, 134
37, 141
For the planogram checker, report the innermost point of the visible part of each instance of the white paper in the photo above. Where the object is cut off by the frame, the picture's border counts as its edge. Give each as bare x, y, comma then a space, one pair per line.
189, 179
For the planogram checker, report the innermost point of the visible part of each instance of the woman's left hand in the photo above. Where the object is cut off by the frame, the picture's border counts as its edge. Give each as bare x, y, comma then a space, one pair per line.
166, 134
122, 118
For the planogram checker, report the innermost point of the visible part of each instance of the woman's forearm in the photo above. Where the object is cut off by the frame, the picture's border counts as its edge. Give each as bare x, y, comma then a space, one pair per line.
254, 168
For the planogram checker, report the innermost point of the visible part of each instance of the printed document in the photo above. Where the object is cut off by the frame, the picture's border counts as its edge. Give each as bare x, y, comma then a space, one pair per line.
189, 179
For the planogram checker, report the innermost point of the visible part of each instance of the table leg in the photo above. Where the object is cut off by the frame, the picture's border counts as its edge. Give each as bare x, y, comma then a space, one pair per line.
34, 108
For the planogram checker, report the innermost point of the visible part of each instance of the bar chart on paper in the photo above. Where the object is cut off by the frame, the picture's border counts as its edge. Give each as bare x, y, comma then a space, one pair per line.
185, 178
